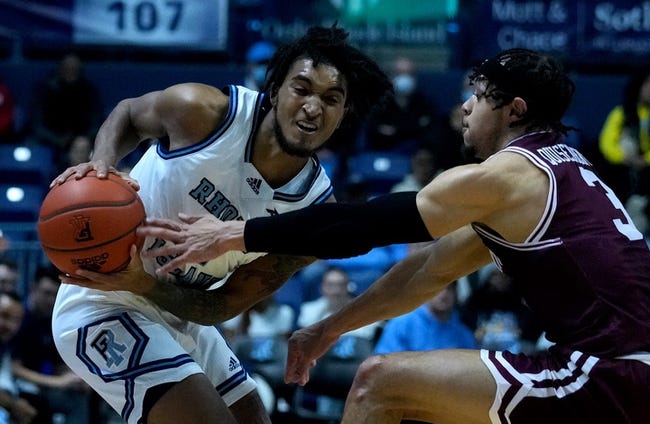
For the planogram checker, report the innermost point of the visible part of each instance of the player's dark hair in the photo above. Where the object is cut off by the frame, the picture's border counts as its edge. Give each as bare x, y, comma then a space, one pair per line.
367, 84
537, 78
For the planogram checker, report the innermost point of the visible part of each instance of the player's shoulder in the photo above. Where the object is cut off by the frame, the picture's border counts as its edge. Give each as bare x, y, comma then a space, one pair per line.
194, 95
493, 178
194, 109
506, 162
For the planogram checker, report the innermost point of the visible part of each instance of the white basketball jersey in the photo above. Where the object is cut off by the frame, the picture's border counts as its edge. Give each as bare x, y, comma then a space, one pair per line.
216, 176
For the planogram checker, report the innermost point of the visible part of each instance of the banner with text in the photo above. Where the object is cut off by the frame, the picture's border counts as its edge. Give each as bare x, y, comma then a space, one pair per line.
584, 31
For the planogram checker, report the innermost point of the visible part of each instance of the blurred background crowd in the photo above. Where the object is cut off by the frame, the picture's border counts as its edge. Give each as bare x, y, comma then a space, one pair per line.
65, 64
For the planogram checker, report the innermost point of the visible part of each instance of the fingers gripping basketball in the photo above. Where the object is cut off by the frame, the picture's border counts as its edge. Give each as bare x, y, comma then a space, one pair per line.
90, 223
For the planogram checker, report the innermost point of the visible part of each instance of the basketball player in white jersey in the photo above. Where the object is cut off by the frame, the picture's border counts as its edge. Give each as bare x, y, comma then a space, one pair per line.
233, 153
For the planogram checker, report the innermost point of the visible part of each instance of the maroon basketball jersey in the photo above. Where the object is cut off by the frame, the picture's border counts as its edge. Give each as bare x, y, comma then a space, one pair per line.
585, 269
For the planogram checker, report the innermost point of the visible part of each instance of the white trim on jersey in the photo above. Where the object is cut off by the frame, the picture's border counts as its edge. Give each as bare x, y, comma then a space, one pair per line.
551, 200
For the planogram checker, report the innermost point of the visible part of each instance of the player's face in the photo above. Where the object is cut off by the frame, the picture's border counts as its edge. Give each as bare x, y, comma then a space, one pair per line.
309, 106
483, 125
11, 316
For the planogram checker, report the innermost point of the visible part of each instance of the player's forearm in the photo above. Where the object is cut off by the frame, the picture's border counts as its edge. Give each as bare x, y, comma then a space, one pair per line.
196, 305
116, 137
339, 230
251, 283
245, 287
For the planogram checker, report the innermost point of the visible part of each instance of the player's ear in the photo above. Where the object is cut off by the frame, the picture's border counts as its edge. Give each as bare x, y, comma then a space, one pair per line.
346, 110
274, 95
518, 107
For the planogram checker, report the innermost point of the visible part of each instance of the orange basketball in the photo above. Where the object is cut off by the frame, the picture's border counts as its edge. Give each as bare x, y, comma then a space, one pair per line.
90, 223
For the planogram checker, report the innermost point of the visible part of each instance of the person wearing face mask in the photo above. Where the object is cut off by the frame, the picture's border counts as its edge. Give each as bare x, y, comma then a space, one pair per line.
257, 58
406, 122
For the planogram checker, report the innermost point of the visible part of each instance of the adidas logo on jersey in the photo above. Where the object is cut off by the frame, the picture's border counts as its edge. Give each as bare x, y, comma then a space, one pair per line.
233, 364
254, 183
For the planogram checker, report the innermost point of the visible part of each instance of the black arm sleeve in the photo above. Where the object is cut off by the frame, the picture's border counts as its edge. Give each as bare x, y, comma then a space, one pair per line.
339, 230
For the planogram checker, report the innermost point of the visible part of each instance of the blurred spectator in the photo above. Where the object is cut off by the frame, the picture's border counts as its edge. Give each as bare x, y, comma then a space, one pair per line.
335, 293
434, 325
423, 169
7, 114
9, 275
267, 318
40, 373
13, 408
257, 59
408, 120
361, 270
66, 105
498, 315
625, 141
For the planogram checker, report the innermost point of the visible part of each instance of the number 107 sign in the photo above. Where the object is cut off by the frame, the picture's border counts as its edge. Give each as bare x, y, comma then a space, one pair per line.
193, 24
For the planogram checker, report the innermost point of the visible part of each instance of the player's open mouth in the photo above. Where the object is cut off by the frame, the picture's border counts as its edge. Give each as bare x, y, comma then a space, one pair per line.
307, 127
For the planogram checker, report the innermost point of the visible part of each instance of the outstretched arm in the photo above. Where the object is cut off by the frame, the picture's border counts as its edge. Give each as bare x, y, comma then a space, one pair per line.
455, 198
403, 288
329, 230
246, 286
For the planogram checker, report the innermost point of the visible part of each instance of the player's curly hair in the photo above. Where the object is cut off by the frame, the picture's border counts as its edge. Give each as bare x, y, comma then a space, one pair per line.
537, 78
367, 84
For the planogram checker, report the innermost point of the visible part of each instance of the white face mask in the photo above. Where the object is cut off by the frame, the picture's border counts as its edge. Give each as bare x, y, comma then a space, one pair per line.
404, 84
258, 73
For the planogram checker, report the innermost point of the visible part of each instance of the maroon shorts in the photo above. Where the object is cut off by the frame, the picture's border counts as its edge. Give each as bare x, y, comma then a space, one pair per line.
571, 387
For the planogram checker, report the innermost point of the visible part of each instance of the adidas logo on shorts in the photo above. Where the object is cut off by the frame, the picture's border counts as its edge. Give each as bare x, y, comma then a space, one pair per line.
233, 364
254, 183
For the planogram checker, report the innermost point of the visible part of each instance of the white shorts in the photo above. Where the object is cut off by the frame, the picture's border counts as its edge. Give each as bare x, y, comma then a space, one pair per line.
122, 345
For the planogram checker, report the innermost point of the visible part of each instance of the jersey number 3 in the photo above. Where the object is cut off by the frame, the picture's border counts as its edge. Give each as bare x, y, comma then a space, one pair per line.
627, 227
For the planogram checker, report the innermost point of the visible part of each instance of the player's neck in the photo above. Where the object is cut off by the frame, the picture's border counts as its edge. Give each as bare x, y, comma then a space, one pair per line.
276, 166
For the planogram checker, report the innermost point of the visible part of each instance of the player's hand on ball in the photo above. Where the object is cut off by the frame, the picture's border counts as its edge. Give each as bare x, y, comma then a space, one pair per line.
133, 278
193, 239
102, 169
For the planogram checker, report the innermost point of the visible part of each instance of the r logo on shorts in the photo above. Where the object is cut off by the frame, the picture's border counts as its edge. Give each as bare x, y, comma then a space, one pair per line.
111, 351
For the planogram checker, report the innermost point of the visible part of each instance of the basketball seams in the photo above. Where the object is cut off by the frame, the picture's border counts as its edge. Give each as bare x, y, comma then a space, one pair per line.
82, 206
85, 206
117, 181
93, 246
